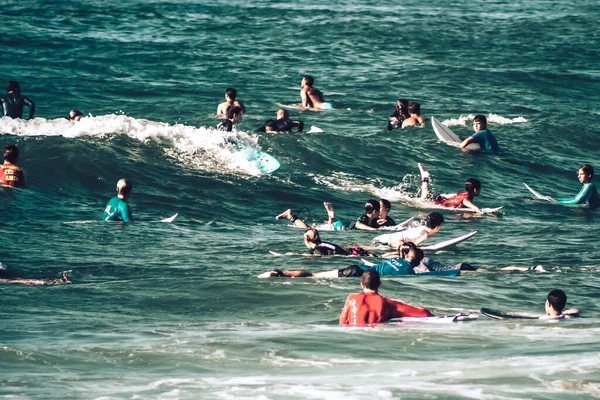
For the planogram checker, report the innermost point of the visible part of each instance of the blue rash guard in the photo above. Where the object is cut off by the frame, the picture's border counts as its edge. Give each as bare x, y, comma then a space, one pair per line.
588, 194
117, 210
392, 267
486, 141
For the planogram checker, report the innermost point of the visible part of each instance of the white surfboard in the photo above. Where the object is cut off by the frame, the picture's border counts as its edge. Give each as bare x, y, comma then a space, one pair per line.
537, 195
495, 210
170, 219
449, 242
401, 226
438, 320
447, 136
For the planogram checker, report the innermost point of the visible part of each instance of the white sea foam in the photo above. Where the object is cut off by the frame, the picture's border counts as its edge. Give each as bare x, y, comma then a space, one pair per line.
463, 120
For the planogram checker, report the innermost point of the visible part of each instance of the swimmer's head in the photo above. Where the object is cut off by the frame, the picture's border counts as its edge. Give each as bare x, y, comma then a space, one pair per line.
384, 207
415, 256
311, 238
434, 220
371, 206
585, 173
402, 105
473, 186
124, 187
479, 123
557, 299
405, 248
307, 80
234, 113
370, 280
282, 114
230, 93
11, 153
75, 115
13, 86
414, 108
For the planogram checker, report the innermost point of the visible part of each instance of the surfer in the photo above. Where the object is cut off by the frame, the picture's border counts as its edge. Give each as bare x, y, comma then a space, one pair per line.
414, 110
433, 223
117, 208
234, 115
10, 174
230, 95
5, 277
399, 115
457, 200
283, 123
428, 264
312, 97
75, 115
14, 102
482, 136
370, 307
588, 193
556, 302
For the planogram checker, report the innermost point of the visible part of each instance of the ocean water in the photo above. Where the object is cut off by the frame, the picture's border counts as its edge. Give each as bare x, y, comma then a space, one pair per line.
175, 311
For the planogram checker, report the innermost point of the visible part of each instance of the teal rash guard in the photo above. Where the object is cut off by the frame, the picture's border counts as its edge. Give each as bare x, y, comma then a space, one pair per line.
588, 194
117, 210
393, 267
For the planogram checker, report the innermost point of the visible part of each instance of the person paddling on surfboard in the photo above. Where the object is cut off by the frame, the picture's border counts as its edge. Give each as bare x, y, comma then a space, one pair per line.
458, 200
117, 209
482, 136
427, 264
433, 224
311, 97
283, 123
370, 307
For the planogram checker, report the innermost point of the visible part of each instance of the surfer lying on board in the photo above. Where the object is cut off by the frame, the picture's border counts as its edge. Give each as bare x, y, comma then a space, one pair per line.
427, 264
5, 277
230, 95
117, 208
414, 109
458, 200
556, 302
482, 136
588, 193
433, 224
283, 123
312, 97
370, 307
10, 174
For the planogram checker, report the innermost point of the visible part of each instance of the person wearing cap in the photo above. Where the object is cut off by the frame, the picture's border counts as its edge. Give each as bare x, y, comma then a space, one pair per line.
10, 174
117, 209
13, 102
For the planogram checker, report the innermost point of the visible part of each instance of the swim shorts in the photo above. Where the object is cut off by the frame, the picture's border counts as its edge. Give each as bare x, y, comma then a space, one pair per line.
351, 271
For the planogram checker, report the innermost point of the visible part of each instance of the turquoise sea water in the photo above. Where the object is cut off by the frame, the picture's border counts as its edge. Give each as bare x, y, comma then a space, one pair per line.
175, 310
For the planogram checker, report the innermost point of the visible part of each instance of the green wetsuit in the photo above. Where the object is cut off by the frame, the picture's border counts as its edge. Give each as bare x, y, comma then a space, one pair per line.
117, 210
587, 194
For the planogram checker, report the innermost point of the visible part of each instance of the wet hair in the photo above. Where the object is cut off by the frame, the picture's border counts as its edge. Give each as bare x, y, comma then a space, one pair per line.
471, 184
480, 118
13, 86
309, 80
311, 235
404, 248
434, 220
386, 204
271, 124
414, 108
587, 169
124, 186
371, 205
417, 256
557, 299
11, 153
233, 111
74, 113
231, 93
371, 280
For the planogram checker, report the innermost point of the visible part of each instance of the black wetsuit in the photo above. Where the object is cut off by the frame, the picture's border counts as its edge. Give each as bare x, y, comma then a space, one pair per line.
328, 249
13, 104
399, 117
283, 125
226, 125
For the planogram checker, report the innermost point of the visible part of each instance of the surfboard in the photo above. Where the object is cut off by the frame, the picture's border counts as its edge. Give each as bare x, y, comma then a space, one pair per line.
447, 136
449, 242
497, 314
265, 162
443, 319
494, 210
170, 219
537, 195
399, 227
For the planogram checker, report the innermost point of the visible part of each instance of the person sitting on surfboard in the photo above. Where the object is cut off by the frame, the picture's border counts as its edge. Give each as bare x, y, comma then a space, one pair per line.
556, 302
458, 200
283, 123
482, 136
312, 97
234, 115
433, 223
370, 307
117, 209
10, 174
399, 115
414, 109
230, 95
588, 193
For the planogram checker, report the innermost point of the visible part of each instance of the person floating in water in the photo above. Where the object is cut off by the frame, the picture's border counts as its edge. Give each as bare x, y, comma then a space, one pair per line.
75, 115
14, 102
117, 208
458, 200
399, 115
312, 97
555, 304
234, 115
230, 95
10, 174
414, 110
370, 307
588, 193
283, 123
7, 277
482, 136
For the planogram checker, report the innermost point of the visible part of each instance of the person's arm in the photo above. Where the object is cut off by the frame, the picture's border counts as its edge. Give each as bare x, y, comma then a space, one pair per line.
126, 213
4, 106
469, 204
399, 310
221, 108
582, 197
572, 312
297, 124
466, 142
304, 97
31, 105
345, 311
364, 227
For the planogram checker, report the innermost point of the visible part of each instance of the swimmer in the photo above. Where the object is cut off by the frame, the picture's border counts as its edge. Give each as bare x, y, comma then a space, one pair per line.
283, 123
414, 110
588, 193
312, 97
457, 200
234, 115
117, 209
14, 102
556, 302
482, 136
370, 307
399, 115
10, 174
230, 95
75, 115
6, 278
433, 224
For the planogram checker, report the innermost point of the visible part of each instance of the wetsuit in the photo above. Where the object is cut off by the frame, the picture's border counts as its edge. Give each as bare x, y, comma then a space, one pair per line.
284, 125
392, 267
11, 175
117, 210
328, 249
13, 104
588, 194
388, 222
226, 125
455, 201
400, 119
371, 222
373, 308
486, 141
